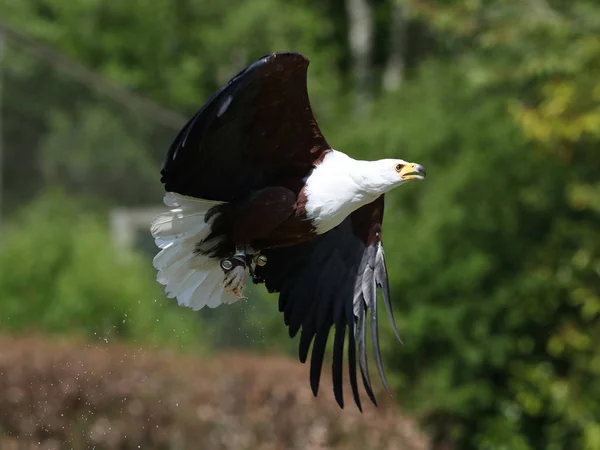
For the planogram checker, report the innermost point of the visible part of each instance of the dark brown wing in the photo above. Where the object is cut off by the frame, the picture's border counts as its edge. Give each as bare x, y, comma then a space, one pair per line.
332, 282
255, 130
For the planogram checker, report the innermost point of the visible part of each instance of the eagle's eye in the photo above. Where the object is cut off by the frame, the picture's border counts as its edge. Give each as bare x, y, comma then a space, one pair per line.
399, 167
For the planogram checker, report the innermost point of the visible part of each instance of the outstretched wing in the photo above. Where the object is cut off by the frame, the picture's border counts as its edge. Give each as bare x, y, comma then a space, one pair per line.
332, 282
257, 129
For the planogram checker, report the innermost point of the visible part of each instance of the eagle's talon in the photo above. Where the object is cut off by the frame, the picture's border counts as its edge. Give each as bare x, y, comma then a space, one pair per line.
236, 270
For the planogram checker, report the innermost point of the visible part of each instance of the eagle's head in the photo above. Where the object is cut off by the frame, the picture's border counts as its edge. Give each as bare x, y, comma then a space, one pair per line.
383, 175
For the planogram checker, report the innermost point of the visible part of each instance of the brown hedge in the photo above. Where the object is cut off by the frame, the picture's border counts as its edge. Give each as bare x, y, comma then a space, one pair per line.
59, 395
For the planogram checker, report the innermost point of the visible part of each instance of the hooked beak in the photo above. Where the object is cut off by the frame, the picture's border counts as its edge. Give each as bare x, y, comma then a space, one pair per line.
413, 171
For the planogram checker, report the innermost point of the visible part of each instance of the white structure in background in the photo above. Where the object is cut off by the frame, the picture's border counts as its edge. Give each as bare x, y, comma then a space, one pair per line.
127, 224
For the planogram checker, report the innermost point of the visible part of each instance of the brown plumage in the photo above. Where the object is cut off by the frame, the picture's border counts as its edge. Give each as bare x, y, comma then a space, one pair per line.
251, 170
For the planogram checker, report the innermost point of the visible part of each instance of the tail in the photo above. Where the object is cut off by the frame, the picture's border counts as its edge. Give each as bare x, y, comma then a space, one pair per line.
196, 280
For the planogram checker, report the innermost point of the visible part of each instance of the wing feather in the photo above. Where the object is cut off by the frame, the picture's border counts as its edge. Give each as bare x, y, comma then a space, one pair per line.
331, 282
352, 358
381, 278
337, 362
361, 335
254, 131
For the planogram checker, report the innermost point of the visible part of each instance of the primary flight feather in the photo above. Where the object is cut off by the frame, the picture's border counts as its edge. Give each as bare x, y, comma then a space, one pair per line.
254, 189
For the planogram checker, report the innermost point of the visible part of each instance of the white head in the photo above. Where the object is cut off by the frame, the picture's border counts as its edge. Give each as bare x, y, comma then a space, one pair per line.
340, 185
383, 175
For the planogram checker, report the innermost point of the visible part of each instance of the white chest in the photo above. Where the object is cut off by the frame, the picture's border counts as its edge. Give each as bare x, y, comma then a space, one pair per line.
333, 193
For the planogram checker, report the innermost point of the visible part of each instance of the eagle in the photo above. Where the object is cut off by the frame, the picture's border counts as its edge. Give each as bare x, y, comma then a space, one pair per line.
254, 190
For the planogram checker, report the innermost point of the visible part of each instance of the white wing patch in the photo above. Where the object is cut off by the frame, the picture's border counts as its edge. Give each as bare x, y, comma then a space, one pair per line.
195, 280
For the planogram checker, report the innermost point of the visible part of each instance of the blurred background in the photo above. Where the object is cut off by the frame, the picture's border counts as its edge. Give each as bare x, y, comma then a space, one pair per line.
494, 260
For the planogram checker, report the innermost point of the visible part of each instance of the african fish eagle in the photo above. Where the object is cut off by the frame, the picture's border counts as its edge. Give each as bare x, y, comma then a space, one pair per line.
254, 189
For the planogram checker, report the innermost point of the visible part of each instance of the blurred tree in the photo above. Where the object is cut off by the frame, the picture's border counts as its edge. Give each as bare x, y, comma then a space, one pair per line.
59, 129
495, 259
360, 37
94, 149
59, 273
178, 52
395, 65
501, 287
45, 108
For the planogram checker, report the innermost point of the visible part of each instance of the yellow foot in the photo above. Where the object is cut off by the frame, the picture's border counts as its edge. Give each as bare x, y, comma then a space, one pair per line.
235, 280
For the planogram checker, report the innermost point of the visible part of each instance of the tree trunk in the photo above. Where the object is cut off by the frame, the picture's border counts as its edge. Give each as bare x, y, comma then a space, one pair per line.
394, 69
360, 37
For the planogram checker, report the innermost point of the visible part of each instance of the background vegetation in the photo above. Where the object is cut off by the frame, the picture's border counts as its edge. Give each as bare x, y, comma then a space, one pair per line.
495, 259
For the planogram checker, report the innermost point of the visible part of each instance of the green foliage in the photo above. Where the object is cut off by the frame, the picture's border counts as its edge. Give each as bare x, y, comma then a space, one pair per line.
495, 260
251, 324
177, 52
467, 269
95, 167
57, 131
503, 292
60, 273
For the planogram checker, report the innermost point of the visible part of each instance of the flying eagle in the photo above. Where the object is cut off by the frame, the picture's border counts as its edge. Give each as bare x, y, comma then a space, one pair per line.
254, 189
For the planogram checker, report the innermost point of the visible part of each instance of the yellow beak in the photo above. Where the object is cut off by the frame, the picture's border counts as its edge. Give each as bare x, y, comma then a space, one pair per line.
413, 171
